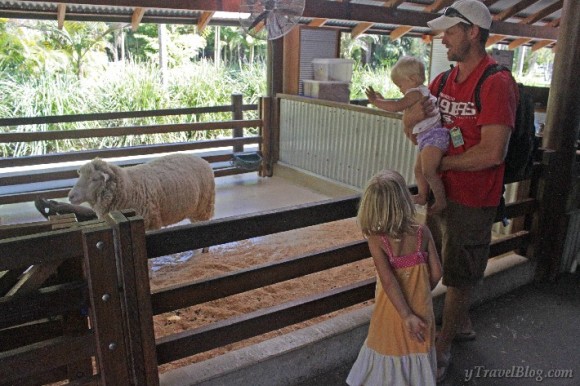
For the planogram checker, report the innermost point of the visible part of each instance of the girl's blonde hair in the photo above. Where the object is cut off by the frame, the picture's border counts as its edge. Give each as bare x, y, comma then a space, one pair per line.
407, 66
386, 206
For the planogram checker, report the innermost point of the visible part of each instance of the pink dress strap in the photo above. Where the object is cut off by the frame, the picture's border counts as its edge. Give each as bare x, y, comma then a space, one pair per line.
406, 261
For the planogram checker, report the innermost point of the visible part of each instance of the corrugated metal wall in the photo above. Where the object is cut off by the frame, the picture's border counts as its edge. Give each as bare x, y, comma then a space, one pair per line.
349, 146
345, 145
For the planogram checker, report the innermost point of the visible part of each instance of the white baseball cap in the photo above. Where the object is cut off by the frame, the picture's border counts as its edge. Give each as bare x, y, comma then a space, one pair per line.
472, 12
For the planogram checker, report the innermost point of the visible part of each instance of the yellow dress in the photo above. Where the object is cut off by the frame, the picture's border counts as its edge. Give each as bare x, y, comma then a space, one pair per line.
389, 355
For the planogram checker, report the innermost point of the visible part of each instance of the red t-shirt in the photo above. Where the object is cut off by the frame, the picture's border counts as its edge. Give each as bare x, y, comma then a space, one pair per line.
499, 96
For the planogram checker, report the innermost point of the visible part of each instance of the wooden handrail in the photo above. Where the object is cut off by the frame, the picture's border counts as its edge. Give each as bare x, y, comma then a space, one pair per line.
119, 115
128, 130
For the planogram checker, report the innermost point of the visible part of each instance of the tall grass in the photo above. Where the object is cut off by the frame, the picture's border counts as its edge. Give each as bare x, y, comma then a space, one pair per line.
129, 87
119, 87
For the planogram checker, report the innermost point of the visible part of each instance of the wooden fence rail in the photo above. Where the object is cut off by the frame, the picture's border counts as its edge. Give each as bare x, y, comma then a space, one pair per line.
20, 182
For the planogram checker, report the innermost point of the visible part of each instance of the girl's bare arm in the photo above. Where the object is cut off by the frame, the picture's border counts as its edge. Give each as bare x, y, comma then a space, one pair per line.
415, 326
435, 269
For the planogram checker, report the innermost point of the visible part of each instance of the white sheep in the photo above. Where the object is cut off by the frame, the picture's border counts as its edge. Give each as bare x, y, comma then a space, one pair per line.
163, 191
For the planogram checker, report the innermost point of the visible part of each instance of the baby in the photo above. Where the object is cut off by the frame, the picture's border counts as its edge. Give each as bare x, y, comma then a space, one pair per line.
408, 74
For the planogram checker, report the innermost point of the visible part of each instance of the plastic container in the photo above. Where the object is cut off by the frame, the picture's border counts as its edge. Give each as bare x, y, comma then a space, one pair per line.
339, 70
329, 90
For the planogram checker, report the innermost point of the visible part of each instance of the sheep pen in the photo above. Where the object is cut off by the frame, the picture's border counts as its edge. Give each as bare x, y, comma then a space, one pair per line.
169, 271
163, 191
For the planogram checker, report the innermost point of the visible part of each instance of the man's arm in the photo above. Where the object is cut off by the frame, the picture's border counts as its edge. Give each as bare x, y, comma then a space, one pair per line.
416, 113
488, 153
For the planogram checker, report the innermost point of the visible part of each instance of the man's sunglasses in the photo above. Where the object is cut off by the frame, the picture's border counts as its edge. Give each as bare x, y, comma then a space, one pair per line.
452, 12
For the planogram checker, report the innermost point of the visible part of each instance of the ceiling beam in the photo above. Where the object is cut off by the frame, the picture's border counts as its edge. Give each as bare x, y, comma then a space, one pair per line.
204, 20
397, 16
399, 32
136, 18
518, 42
517, 7
60, 14
195, 5
393, 3
317, 22
438, 5
360, 29
550, 9
541, 44
332, 10
493, 39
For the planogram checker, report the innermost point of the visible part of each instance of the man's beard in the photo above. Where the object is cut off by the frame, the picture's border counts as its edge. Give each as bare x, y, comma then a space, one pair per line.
460, 54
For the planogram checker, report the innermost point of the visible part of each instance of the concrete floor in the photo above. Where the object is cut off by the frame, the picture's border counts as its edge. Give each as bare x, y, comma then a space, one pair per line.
235, 195
526, 337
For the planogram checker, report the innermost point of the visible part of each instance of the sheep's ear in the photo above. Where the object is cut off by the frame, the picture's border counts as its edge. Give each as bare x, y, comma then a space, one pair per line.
100, 176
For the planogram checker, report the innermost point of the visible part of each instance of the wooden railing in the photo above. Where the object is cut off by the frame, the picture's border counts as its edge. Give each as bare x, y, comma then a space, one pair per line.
72, 295
15, 183
51, 319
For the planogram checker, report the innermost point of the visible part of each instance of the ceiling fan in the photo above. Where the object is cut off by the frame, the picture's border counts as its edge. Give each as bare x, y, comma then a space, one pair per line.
270, 19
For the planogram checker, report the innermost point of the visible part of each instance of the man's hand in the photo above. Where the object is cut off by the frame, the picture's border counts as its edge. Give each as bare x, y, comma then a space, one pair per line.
422, 109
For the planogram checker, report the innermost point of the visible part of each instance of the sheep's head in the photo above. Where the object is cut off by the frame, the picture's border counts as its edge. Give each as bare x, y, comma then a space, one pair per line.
94, 177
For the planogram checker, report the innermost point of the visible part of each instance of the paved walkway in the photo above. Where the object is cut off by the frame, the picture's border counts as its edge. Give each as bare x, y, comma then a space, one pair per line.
532, 332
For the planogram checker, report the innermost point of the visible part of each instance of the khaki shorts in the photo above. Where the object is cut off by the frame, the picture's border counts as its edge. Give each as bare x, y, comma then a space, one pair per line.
462, 235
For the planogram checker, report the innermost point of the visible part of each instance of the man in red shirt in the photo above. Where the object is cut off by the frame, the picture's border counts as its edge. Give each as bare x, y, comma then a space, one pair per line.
473, 168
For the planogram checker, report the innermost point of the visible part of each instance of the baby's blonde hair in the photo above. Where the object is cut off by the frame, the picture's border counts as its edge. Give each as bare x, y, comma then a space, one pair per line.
407, 66
386, 206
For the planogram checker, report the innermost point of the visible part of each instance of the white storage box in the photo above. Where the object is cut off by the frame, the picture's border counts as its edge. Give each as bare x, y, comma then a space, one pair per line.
329, 90
339, 70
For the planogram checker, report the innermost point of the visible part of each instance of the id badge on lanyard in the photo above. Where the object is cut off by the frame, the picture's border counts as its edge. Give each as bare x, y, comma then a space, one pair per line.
456, 137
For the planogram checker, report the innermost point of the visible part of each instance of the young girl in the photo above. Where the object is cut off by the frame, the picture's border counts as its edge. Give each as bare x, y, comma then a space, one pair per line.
399, 349
408, 74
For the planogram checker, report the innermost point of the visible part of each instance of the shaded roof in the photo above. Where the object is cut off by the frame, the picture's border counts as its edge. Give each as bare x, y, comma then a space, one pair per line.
537, 20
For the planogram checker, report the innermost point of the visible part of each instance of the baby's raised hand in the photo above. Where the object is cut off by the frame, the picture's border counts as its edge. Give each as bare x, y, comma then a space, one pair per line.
372, 95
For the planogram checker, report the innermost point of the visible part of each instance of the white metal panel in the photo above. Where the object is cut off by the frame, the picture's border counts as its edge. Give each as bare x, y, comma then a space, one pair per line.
341, 144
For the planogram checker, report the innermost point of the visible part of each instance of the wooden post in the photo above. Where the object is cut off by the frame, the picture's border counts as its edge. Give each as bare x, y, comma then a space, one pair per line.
107, 317
133, 273
238, 114
266, 144
275, 84
560, 135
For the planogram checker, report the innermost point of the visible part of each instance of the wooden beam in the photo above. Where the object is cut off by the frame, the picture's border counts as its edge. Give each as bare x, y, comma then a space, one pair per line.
360, 29
204, 20
398, 16
493, 39
317, 22
399, 32
518, 42
194, 5
393, 3
60, 13
136, 18
543, 13
555, 23
260, 26
517, 7
438, 5
541, 44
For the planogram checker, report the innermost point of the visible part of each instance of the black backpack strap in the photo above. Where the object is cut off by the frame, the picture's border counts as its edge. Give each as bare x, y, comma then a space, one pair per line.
490, 70
443, 80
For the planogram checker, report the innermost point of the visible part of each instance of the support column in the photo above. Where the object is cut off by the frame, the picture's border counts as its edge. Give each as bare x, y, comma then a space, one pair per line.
560, 135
